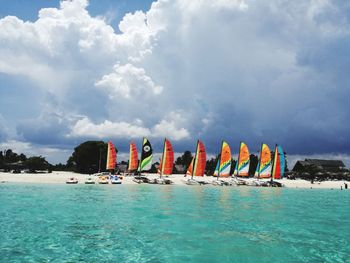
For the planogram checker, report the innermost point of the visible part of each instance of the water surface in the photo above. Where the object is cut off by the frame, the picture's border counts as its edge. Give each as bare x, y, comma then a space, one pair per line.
150, 223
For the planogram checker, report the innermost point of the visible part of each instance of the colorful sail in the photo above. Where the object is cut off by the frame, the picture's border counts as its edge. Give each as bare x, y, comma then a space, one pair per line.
278, 163
111, 156
190, 167
225, 160
242, 167
200, 160
167, 161
133, 157
264, 165
146, 156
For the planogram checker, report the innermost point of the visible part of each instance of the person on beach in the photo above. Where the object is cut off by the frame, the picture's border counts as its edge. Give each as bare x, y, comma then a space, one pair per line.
345, 185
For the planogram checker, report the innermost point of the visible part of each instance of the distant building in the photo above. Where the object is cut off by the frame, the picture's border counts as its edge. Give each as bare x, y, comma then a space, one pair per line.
333, 166
319, 170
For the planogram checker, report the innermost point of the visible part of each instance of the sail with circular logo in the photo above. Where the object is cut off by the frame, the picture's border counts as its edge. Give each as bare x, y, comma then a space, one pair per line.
146, 156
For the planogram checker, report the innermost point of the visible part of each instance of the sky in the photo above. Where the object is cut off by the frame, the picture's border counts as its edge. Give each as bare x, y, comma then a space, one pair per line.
236, 70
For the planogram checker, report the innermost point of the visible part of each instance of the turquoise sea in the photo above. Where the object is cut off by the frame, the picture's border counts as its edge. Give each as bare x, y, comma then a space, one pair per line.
154, 223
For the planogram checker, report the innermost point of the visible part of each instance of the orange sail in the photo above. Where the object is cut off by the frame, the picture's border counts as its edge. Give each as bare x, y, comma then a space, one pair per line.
243, 160
190, 168
200, 160
111, 156
133, 157
225, 160
167, 161
264, 165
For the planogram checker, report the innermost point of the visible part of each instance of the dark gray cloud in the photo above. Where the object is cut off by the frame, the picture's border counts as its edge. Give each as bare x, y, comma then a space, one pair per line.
268, 71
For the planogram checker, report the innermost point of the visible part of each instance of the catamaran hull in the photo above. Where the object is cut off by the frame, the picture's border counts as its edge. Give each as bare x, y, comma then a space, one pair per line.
71, 182
163, 181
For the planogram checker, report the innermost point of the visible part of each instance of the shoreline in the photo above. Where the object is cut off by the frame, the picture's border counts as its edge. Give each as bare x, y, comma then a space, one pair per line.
57, 177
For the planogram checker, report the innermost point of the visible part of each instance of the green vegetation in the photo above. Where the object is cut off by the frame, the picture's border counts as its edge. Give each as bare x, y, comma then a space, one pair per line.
11, 161
89, 157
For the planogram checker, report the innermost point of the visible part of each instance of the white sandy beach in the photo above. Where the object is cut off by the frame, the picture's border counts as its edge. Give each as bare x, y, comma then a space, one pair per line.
178, 179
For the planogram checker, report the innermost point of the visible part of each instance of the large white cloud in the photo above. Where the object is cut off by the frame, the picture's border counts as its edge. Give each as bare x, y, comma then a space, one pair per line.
128, 81
240, 70
165, 128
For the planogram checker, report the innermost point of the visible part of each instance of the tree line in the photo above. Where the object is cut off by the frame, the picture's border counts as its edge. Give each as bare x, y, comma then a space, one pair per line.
11, 161
90, 157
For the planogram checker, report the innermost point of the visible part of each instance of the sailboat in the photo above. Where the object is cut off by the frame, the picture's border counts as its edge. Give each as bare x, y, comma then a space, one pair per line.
198, 165
223, 167
110, 166
242, 165
145, 163
166, 163
133, 158
278, 166
263, 170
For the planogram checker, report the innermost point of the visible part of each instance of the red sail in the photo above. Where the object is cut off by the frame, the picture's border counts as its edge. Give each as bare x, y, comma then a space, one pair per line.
133, 158
167, 161
200, 160
111, 157
276, 172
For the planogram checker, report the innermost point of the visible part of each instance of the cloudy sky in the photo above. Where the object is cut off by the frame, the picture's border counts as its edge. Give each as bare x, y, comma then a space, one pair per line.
241, 70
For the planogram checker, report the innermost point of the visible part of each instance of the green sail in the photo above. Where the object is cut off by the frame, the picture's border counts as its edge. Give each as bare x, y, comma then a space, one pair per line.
146, 156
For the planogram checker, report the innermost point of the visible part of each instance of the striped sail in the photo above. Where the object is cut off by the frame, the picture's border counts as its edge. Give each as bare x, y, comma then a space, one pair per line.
264, 165
146, 156
190, 167
242, 166
167, 161
278, 163
111, 156
200, 160
133, 157
225, 160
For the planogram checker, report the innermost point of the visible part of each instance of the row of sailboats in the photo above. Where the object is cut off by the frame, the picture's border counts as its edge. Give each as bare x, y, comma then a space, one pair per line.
267, 167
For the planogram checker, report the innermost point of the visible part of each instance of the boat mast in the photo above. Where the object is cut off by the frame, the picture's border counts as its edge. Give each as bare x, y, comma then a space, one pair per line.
259, 163
239, 154
129, 156
162, 160
273, 163
195, 160
139, 169
220, 156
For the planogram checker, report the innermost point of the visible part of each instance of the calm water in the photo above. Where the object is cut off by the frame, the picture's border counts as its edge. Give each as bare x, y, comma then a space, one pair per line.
148, 223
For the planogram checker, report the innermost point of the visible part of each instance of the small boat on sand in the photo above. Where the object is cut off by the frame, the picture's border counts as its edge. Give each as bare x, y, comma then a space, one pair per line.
72, 180
90, 180
103, 180
115, 179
